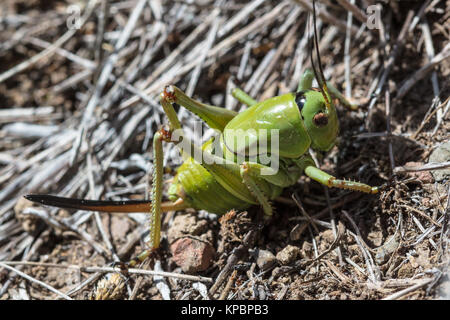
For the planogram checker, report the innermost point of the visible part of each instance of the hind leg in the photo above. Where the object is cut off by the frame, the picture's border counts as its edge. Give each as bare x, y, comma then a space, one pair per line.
156, 198
214, 117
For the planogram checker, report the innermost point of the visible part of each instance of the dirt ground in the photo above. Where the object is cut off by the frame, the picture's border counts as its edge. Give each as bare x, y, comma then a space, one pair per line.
79, 87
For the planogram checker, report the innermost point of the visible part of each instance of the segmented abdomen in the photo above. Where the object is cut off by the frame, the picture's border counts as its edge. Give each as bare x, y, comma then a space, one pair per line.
201, 191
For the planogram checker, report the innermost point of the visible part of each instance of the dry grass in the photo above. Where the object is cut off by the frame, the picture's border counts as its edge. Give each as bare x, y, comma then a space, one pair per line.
79, 108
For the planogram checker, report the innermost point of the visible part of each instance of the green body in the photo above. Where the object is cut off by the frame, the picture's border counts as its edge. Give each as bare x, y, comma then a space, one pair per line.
280, 113
201, 190
306, 119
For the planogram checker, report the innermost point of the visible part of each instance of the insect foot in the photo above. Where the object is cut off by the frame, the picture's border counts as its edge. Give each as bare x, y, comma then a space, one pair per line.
165, 135
141, 257
351, 185
169, 94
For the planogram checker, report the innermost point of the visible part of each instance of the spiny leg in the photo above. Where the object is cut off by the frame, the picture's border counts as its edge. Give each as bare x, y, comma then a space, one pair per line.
177, 205
156, 198
157, 187
275, 176
330, 181
215, 117
243, 97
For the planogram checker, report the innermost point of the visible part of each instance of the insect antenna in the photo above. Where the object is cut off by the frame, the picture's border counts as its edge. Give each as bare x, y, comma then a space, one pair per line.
320, 80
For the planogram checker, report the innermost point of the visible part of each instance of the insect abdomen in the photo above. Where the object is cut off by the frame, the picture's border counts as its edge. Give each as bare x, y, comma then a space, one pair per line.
199, 188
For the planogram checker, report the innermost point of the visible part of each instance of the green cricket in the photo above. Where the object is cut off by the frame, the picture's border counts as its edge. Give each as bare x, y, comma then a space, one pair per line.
303, 120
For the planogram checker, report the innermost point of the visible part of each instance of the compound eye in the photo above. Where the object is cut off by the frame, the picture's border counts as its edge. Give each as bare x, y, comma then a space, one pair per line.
320, 119
300, 99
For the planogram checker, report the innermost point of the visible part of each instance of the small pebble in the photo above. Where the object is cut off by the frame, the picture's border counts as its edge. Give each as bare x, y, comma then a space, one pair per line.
441, 154
186, 224
192, 255
265, 259
276, 272
288, 254
422, 176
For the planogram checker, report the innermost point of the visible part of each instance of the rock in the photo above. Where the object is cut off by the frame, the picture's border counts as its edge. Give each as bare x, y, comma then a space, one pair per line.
328, 236
427, 202
276, 272
441, 154
384, 252
186, 224
265, 259
422, 176
288, 254
307, 249
192, 255
190, 243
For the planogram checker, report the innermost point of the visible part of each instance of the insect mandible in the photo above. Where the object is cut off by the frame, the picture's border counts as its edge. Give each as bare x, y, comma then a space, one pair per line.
301, 120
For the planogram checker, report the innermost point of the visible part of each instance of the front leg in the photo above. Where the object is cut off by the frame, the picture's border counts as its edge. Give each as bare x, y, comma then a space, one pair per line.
330, 181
